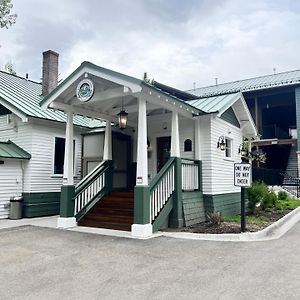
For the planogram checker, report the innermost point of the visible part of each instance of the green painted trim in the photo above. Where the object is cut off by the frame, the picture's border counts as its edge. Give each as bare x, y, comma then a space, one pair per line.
227, 204
4, 110
163, 215
67, 201
41, 204
200, 172
176, 215
141, 205
230, 117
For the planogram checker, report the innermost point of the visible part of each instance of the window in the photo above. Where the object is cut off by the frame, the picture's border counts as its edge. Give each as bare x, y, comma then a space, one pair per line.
228, 147
59, 155
187, 145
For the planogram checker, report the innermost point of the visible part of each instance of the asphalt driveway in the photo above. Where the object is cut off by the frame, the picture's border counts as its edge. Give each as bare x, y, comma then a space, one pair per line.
42, 263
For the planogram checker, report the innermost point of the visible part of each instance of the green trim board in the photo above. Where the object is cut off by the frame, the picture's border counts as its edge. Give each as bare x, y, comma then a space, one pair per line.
227, 204
11, 150
4, 110
41, 204
163, 217
230, 117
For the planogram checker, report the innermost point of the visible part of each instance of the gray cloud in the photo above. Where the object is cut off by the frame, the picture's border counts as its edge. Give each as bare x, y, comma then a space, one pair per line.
176, 42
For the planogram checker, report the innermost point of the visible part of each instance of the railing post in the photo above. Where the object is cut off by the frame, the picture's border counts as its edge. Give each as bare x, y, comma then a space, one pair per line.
199, 163
176, 215
109, 176
66, 218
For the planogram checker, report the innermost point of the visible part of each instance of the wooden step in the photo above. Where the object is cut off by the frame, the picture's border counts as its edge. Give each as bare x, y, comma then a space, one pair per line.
114, 211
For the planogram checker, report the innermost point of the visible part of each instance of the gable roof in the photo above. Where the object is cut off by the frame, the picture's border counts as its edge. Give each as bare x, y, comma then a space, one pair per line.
22, 97
11, 150
215, 104
251, 84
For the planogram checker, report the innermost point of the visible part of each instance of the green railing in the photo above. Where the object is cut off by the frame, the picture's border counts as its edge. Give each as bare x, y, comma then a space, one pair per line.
161, 188
91, 189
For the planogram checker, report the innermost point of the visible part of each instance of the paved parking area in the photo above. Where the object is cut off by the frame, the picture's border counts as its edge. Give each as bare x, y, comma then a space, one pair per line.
44, 263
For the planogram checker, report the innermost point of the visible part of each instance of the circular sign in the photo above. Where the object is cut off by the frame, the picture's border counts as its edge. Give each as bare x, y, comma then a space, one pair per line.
85, 90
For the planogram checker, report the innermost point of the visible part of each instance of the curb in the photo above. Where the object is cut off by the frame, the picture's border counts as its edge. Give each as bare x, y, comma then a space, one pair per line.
272, 232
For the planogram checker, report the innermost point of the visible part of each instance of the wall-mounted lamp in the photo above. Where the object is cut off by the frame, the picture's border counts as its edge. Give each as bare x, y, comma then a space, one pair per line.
123, 117
221, 143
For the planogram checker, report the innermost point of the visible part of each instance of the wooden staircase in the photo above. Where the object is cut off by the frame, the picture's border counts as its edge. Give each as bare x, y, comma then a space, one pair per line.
114, 211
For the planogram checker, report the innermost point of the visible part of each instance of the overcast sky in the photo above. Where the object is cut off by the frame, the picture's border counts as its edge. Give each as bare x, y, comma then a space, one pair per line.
177, 42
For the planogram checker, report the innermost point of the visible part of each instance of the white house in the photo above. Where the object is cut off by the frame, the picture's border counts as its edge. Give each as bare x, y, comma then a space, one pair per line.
168, 153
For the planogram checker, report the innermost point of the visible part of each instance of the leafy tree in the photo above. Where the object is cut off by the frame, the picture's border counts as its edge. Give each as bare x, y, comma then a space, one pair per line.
6, 18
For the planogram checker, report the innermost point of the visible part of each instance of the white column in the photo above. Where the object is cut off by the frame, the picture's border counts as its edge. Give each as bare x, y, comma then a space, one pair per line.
68, 163
175, 147
107, 152
197, 139
142, 158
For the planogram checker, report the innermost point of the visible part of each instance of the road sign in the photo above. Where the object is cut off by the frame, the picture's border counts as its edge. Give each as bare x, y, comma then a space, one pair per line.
242, 175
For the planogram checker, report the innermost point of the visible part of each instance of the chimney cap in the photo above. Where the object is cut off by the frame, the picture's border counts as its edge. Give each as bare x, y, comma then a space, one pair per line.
50, 52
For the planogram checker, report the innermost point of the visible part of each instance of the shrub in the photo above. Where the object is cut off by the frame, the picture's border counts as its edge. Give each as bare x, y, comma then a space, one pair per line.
282, 195
256, 193
214, 217
269, 201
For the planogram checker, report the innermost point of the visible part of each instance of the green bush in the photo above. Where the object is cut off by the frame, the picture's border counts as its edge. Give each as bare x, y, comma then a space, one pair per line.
269, 201
282, 195
256, 193
279, 206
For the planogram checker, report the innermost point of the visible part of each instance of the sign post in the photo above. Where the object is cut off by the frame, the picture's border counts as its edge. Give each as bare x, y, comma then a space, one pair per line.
243, 179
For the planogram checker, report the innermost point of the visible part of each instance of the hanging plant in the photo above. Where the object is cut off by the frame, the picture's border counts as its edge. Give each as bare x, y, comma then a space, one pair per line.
256, 155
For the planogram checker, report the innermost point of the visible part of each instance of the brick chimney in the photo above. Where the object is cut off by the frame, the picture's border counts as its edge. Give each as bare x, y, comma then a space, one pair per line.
50, 71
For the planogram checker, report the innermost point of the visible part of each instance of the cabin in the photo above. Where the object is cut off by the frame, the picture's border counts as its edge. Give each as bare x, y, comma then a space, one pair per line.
105, 149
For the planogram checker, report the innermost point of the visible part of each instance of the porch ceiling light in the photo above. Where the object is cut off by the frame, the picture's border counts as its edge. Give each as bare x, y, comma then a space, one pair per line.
221, 143
123, 117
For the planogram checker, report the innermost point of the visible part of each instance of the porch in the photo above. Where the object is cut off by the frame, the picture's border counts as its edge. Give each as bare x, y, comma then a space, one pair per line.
153, 158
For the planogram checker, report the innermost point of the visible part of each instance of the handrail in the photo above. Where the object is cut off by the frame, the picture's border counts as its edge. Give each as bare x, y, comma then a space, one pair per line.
91, 177
162, 188
89, 190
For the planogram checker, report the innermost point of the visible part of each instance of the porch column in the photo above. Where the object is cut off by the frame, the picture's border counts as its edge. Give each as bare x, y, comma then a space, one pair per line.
107, 155
176, 215
142, 226
107, 152
67, 218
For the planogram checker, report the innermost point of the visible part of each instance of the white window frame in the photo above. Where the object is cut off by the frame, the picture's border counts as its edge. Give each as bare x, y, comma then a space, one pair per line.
228, 149
53, 157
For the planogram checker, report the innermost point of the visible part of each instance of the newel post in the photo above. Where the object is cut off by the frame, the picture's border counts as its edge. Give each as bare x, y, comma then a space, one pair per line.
176, 215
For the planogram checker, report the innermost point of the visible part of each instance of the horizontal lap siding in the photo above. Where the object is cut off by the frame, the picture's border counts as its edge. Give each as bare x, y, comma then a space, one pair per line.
193, 208
10, 184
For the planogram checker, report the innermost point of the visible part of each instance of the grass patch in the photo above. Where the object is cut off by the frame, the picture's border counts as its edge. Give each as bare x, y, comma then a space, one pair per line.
289, 203
257, 220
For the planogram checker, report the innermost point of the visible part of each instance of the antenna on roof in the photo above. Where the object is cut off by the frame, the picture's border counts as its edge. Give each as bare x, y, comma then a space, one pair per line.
274, 70
26, 76
194, 86
216, 79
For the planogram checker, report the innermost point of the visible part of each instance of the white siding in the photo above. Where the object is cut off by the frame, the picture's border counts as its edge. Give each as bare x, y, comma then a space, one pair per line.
10, 184
218, 169
40, 166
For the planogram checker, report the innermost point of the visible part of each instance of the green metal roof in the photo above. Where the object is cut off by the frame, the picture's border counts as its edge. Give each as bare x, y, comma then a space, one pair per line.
13, 151
215, 104
24, 96
252, 84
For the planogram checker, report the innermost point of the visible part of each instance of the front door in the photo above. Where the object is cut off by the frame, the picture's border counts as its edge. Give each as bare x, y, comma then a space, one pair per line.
121, 148
163, 151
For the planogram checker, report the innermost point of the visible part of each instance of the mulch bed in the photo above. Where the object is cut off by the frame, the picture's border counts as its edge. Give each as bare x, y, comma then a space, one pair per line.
232, 227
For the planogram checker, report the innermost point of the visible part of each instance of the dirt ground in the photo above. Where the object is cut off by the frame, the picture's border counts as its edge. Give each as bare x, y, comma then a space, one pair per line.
233, 227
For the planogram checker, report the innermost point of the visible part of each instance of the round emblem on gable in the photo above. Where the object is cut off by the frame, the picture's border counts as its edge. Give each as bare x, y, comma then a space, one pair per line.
85, 90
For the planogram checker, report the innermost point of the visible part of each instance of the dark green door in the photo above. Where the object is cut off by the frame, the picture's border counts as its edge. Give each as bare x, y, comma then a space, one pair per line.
163, 151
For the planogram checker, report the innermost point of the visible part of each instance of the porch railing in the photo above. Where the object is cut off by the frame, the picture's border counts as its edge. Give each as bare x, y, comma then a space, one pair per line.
161, 188
190, 174
89, 189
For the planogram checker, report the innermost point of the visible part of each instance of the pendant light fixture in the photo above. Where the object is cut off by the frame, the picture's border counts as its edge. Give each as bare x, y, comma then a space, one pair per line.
123, 117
